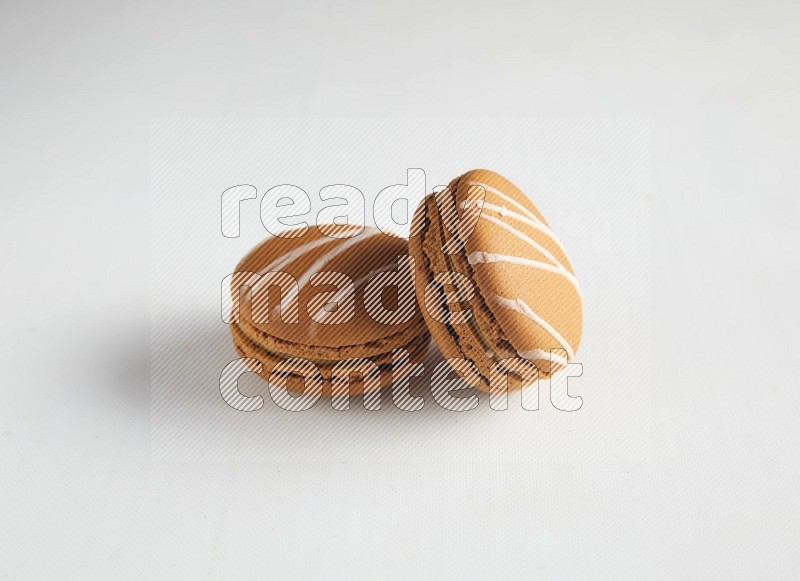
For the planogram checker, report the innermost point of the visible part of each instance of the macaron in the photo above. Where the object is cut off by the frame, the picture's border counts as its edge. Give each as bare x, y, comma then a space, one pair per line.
337, 299
499, 290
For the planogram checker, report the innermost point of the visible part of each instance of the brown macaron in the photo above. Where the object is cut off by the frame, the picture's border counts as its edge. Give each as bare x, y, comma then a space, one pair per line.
499, 291
338, 297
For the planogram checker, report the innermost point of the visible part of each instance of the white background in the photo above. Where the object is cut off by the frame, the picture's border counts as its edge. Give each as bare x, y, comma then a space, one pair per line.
714, 493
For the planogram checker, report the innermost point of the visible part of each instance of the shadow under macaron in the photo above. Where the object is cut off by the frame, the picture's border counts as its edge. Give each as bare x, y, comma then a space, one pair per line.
190, 419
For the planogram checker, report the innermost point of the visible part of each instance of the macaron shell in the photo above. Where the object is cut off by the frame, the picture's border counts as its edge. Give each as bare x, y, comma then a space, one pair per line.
521, 268
360, 257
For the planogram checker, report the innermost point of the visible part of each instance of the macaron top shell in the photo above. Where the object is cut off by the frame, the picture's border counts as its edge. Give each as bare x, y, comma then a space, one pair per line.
519, 266
328, 313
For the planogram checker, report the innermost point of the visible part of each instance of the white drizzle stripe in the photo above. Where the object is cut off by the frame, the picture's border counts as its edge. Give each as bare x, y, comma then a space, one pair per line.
524, 237
522, 307
481, 257
296, 253
256, 283
539, 355
503, 211
324, 259
506, 197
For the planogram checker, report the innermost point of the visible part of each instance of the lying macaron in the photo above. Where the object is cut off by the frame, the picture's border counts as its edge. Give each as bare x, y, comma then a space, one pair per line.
340, 298
497, 285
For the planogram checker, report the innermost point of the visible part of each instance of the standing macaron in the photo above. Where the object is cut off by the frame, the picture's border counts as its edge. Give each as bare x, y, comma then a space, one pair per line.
496, 283
338, 299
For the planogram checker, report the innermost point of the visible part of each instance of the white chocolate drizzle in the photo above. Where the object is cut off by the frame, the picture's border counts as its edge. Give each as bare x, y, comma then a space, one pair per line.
292, 255
481, 257
522, 307
340, 295
325, 259
540, 355
506, 197
528, 240
295, 253
503, 211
